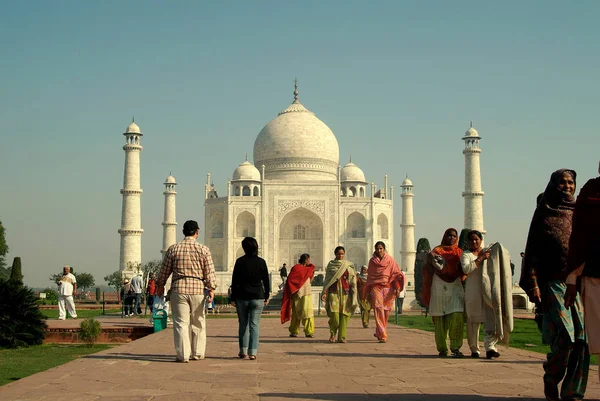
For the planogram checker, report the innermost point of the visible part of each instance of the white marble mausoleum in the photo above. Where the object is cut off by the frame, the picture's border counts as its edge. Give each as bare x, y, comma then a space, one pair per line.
296, 198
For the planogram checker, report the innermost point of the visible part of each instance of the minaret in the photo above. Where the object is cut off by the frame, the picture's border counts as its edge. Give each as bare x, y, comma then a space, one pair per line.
408, 251
169, 224
473, 194
131, 221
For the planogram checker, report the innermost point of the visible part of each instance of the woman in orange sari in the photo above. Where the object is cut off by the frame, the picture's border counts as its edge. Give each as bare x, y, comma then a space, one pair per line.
444, 294
385, 281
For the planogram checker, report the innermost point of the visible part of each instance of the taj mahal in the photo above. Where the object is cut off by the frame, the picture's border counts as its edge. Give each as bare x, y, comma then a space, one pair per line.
294, 197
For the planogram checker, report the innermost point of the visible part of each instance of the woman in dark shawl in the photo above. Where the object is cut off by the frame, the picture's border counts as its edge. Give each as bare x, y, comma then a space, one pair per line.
543, 277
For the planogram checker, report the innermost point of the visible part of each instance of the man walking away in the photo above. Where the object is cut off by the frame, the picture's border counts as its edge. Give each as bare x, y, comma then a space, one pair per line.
67, 288
192, 268
137, 284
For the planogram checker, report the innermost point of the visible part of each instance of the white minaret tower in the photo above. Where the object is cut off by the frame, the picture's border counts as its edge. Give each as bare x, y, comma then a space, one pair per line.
408, 251
473, 194
169, 224
131, 219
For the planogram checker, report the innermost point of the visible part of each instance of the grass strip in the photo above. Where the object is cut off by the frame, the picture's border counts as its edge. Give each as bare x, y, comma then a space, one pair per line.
18, 363
524, 336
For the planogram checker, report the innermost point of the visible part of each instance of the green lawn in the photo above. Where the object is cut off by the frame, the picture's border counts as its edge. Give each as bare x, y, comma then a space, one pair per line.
83, 313
524, 336
22, 362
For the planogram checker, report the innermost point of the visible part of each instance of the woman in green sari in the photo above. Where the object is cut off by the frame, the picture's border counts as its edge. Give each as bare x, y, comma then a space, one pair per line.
339, 294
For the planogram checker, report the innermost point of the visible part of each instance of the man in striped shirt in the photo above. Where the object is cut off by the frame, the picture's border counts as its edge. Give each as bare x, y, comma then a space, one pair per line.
192, 268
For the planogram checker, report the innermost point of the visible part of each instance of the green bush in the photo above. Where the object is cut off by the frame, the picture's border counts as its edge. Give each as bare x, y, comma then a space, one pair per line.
221, 299
423, 249
21, 321
90, 331
16, 274
51, 296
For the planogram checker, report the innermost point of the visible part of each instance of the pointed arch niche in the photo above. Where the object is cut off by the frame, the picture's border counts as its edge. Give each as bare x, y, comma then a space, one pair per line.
355, 226
382, 227
301, 231
245, 225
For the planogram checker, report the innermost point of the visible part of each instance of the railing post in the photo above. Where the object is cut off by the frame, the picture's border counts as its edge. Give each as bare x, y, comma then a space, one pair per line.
319, 309
103, 303
396, 312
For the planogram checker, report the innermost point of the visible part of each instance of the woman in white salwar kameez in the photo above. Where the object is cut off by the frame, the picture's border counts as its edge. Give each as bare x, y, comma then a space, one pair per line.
472, 262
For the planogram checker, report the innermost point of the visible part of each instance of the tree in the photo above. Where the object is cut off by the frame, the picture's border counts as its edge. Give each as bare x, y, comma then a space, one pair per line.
4, 270
55, 278
15, 272
153, 267
115, 280
21, 321
85, 280
463, 239
423, 248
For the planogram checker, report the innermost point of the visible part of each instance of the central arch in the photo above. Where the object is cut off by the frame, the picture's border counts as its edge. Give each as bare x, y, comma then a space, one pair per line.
301, 231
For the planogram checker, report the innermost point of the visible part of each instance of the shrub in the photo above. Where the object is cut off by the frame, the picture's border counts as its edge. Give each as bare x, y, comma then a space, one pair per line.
51, 296
318, 280
15, 272
21, 321
423, 248
90, 331
463, 239
221, 299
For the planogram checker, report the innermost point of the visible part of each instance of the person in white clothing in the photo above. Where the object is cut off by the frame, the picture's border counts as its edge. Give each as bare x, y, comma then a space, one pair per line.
137, 285
67, 288
472, 262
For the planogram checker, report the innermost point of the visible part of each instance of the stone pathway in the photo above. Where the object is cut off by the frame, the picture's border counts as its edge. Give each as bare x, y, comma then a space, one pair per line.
290, 369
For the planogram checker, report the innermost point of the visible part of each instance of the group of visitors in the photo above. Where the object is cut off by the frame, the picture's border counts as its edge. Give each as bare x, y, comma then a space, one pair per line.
378, 285
468, 286
561, 275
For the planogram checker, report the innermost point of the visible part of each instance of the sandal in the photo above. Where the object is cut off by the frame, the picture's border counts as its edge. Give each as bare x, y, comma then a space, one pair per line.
242, 356
342, 341
332, 339
252, 357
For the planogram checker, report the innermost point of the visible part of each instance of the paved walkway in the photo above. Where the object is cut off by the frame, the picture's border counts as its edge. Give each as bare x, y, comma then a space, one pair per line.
290, 369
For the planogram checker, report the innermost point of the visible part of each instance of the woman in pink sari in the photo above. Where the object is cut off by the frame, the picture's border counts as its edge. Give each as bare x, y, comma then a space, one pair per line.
385, 281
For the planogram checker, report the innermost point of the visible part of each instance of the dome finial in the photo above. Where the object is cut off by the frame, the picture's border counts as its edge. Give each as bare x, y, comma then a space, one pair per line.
350, 157
295, 90
471, 124
246, 156
132, 119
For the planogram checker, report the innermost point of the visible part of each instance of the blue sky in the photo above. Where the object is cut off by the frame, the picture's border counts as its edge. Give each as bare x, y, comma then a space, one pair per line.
396, 81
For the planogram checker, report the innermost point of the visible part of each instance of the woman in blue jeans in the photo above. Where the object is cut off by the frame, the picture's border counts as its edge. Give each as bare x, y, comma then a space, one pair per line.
250, 289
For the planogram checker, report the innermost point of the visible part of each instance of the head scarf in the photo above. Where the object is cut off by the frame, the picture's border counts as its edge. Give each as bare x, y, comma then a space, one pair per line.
295, 280
450, 272
385, 272
451, 255
549, 232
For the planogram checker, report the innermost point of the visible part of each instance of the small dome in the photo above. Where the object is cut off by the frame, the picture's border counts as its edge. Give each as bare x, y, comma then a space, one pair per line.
247, 172
407, 182
471, 132
351, 172
133, 129
170, 180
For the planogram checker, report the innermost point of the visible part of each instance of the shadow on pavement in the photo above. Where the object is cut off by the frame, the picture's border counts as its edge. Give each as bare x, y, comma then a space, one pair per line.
403, 356
400, 397
149, 357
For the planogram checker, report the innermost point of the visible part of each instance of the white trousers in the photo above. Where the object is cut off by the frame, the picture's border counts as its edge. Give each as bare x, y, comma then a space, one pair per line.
489, 339
189, 328
65, 302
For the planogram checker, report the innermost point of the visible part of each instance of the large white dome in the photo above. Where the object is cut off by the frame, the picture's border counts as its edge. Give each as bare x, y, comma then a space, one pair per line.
296, 144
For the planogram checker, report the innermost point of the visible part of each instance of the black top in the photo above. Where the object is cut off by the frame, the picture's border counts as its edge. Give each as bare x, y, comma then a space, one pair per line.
250, 279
